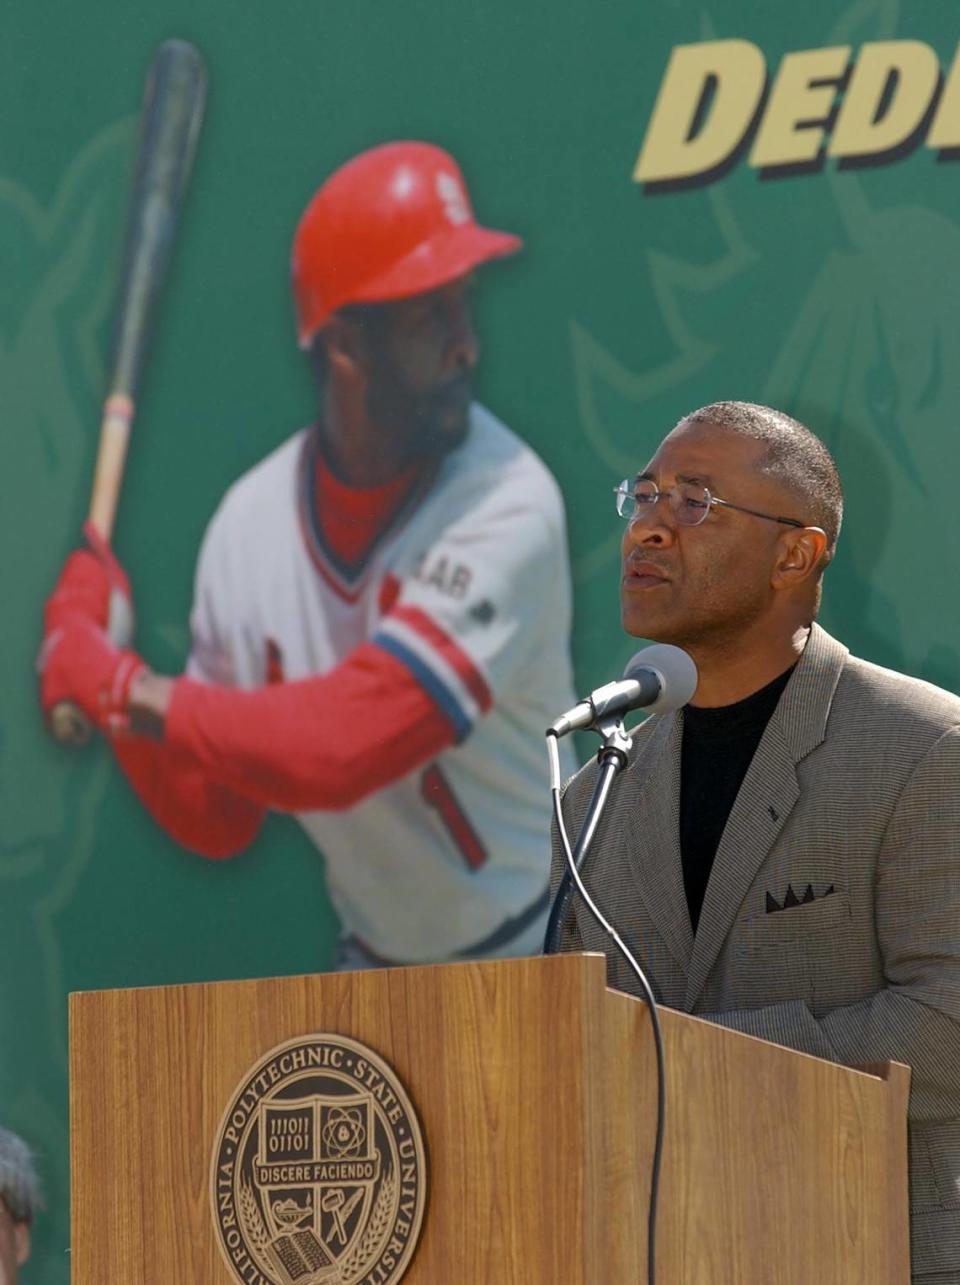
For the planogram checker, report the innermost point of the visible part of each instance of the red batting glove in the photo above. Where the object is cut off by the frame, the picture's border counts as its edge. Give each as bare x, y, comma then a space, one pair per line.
79, 663
94, 586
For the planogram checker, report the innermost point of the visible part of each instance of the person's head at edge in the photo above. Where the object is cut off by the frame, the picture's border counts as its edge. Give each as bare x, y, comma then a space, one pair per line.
383, 259
737, 590
19, 1202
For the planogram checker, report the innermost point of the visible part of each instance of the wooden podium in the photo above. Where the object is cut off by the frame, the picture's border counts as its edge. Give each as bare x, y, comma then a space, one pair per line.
535, 1087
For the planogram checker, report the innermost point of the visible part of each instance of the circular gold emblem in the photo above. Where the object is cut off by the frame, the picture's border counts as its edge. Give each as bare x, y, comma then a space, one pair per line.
318, 1173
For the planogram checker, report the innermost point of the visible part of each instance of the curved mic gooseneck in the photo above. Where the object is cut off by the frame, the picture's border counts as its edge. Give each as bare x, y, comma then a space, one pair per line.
660, 678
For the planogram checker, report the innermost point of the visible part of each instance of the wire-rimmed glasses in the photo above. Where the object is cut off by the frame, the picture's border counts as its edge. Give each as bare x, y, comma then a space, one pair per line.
689, 503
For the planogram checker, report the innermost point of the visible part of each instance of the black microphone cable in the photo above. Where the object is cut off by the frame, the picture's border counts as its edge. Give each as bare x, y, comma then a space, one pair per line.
553, 754
611, 760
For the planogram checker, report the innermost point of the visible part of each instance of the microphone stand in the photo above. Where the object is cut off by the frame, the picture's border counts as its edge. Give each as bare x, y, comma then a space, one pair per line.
612, 758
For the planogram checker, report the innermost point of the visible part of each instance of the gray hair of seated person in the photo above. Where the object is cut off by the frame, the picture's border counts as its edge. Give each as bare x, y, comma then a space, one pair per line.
19, 1185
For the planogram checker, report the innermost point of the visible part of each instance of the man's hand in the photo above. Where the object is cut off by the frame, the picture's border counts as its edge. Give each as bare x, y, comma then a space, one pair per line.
79, 663
92, 586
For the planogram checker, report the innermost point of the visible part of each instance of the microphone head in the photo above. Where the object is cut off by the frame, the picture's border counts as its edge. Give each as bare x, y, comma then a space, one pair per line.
676, 671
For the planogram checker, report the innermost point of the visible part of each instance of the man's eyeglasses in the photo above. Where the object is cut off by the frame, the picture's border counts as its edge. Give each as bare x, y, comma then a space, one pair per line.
688, 503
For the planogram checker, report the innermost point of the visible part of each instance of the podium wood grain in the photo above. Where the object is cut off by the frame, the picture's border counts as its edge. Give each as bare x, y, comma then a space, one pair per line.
535, 1086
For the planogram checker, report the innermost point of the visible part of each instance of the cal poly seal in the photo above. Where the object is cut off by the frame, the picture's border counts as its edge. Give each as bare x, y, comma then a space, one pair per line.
318, 1173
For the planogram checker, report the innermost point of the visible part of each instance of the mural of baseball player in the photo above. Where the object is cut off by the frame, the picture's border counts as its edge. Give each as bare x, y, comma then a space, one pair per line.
382, 606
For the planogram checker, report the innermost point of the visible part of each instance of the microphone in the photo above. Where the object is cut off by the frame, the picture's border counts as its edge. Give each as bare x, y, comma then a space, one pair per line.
659, 678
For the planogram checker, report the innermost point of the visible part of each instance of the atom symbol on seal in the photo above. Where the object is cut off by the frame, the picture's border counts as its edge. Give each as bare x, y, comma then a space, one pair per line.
343, 1133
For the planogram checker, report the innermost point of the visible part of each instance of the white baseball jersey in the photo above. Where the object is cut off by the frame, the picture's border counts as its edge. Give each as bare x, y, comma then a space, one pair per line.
469, 586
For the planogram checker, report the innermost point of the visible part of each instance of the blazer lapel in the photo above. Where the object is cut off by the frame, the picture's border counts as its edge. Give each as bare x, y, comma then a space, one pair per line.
767, 796
765, 800
652, 836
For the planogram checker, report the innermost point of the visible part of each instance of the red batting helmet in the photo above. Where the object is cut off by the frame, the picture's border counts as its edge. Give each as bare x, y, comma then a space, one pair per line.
393, 222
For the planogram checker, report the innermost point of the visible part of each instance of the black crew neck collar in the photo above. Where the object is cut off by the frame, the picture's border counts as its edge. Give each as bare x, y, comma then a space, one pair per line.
723, 719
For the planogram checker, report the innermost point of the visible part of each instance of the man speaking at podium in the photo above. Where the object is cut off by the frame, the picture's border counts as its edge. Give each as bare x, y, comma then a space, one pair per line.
783, 855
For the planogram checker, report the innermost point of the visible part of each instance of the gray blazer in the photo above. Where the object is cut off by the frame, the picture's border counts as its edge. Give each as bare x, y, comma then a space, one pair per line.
852, 801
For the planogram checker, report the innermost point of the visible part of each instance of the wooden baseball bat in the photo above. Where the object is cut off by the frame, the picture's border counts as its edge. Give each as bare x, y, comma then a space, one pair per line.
169, 128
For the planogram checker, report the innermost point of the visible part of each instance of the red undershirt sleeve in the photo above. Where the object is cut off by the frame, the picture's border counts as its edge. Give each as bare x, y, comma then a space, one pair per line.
323, 742
199, 813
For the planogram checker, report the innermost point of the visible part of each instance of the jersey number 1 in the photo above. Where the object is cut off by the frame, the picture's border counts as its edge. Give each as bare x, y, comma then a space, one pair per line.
437, 792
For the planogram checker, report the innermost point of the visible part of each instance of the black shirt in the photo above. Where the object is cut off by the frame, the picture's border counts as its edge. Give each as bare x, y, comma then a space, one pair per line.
718, 745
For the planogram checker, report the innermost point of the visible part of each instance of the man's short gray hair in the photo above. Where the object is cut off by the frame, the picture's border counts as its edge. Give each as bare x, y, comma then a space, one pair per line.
19, 1185
793, 455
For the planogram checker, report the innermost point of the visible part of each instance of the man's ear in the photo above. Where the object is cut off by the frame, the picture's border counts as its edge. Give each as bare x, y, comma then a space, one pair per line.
346, 350
799, 556
21, 1242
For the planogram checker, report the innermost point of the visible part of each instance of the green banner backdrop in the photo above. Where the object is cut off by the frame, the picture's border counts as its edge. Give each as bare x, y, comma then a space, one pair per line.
825, 289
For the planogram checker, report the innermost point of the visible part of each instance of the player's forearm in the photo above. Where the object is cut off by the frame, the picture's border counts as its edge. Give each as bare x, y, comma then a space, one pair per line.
890, 1026
318, 743
149, 703
199, 813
